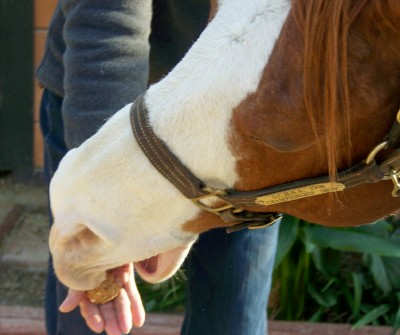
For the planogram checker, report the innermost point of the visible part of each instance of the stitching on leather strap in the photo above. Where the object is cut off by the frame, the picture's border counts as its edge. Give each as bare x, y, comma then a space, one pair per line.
152, 143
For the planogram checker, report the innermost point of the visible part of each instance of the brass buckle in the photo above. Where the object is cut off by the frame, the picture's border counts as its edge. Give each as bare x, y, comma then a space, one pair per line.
375, 151
395, 177
212, 193
263, 220
266, 224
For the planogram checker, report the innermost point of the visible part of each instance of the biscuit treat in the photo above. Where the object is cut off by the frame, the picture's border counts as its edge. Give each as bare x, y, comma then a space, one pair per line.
107, 291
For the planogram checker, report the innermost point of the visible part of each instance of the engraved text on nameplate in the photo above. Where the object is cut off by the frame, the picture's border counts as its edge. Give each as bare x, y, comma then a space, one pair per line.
299, 193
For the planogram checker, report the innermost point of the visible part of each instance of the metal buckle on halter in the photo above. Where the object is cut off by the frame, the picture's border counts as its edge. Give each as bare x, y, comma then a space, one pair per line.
375, 151
266, 224
394, 174
216, 194
252, 220
395, 177
237, 217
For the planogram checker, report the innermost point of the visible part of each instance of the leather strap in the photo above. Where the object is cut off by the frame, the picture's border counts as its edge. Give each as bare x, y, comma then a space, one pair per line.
230, 203
160, 155
181, 177
393, 137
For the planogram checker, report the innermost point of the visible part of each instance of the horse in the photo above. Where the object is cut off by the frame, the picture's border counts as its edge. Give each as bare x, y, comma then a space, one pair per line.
272, 92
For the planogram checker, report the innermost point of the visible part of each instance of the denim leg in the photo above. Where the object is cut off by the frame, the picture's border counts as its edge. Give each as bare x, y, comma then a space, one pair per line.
229, 282
54, 150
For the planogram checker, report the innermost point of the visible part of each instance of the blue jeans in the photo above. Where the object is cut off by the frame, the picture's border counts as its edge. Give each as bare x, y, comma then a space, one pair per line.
229, 274
229, 282
54, 150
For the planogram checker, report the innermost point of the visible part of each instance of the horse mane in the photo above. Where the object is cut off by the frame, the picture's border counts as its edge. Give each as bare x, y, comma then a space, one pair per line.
325, 25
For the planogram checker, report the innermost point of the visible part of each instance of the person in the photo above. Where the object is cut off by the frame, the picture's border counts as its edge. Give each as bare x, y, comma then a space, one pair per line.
97, 59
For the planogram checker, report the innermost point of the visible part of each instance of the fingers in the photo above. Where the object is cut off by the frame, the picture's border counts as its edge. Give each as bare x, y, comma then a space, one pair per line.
123, 273
111, 320
115, 317
123, 312
91, 313
125, 276
137, 309
71, 301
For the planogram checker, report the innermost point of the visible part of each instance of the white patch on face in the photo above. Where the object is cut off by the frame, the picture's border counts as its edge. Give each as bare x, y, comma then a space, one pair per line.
219, 71
108, 186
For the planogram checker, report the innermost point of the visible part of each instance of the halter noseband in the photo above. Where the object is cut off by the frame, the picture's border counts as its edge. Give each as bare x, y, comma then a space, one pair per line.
230, 203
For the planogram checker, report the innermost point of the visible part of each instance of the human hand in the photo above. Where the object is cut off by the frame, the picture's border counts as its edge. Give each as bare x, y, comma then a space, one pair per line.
115, 317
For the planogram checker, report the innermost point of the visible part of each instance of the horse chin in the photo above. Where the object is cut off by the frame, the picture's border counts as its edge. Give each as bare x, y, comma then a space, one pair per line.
162, 266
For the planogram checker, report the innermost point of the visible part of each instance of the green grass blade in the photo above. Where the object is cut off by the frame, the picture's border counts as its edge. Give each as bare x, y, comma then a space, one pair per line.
288, 229
379, 273
357, 288
324, 299
392, 266
371, 316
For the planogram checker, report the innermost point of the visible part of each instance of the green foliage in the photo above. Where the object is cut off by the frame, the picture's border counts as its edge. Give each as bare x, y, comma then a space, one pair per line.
348, 275
344, 275
167, 296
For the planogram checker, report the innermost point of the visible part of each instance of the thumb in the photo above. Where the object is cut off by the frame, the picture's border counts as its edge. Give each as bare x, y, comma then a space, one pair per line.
71, 301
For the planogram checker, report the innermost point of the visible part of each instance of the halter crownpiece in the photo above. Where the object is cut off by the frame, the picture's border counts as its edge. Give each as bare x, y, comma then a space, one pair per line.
230, 204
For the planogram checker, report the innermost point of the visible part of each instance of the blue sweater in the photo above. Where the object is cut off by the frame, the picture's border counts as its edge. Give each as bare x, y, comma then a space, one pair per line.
97, 54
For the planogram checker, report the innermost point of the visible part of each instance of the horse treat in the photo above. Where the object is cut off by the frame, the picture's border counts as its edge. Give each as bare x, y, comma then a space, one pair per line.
107, 291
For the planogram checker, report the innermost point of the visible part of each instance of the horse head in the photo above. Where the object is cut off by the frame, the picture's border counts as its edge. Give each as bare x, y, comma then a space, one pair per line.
246, 108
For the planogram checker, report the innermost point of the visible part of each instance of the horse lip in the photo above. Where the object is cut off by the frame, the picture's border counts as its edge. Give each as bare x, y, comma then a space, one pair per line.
148, 269
148, 265
162, 266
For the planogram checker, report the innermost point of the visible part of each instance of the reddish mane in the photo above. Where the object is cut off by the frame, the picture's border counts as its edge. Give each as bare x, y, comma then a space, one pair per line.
326, 27
328, 95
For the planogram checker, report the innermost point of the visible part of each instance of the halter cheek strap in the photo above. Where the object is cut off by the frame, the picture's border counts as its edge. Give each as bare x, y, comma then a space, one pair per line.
229, 204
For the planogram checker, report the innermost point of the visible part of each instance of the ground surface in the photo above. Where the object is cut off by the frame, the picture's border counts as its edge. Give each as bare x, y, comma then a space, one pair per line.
23, 243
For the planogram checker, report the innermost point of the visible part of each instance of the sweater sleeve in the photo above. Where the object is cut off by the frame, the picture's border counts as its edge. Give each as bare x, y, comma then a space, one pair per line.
105, 61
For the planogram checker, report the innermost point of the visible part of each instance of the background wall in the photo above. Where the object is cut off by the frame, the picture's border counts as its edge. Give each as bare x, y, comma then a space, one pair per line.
43, 9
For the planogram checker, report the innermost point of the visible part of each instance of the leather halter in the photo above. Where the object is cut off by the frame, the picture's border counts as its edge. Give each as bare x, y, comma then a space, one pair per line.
229, 204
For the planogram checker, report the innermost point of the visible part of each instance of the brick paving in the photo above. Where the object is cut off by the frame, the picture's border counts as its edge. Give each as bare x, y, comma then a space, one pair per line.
29, 321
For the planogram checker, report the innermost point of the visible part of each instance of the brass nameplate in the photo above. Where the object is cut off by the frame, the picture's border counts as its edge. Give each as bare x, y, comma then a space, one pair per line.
299, 193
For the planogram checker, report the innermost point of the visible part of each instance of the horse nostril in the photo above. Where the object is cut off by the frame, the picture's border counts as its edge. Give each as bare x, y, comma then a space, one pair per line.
80, 237
84, 239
